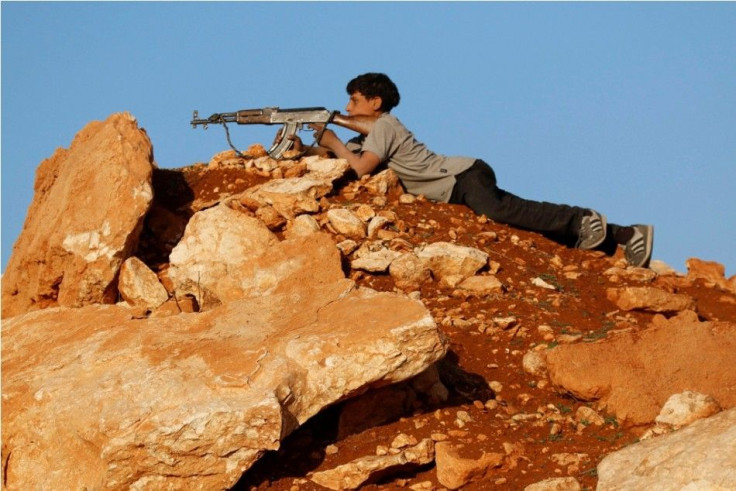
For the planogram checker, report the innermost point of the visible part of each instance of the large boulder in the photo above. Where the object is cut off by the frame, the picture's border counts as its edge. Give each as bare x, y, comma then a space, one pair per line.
701, 456
97, 398
226, 255
632, 375
84, 221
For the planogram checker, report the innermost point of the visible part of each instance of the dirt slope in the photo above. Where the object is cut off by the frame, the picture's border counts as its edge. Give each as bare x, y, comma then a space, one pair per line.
489, 337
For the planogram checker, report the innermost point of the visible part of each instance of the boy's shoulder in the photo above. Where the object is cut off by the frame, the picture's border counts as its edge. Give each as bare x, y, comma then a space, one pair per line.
388, 117
390, 120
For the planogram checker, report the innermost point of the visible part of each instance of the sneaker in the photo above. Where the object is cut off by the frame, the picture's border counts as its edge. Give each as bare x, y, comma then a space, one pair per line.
638, 250
592, 230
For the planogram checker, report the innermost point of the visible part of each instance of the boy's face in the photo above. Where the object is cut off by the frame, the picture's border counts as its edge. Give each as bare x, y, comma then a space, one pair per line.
359, 105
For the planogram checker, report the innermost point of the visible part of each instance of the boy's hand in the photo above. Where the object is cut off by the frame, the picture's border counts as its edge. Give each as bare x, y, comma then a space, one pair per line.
362, 164
298, 144
328, 137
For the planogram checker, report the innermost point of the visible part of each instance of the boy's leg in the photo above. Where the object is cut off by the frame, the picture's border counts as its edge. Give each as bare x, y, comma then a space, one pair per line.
477, 189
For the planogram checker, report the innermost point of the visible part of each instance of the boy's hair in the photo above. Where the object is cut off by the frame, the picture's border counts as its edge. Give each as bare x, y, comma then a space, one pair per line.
376, 85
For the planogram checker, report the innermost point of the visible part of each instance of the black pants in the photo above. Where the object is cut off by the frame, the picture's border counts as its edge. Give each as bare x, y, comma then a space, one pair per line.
476, 187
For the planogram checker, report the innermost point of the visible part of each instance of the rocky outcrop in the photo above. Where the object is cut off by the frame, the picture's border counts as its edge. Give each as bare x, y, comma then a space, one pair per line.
617, 372
140, 395
192, 401
226, 255
700, 456
713, 273
236, 323
84, 221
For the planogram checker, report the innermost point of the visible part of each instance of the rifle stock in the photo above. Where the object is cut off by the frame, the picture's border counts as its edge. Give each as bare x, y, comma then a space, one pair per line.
359, 124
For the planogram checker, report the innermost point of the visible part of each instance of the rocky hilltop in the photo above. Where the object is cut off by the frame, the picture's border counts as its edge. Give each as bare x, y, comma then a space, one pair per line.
257, 324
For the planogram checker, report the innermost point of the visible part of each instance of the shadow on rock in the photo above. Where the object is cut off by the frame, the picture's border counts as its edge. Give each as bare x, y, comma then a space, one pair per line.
304, 450
465, 386
301, 452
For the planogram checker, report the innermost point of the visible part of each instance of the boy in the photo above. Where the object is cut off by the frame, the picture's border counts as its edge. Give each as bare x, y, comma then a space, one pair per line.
463, 180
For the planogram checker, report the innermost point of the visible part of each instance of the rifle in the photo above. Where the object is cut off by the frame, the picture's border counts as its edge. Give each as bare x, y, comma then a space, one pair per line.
292, 120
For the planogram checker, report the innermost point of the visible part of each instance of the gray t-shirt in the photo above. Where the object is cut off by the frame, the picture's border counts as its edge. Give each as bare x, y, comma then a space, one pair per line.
420, 170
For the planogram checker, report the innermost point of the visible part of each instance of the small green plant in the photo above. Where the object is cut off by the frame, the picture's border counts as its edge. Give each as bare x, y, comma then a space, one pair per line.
516, 342
563, 408
559, 323
611, 420
599, 333
551, 438
616, 436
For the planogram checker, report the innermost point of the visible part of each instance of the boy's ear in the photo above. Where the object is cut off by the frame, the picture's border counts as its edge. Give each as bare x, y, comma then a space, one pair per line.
376, 102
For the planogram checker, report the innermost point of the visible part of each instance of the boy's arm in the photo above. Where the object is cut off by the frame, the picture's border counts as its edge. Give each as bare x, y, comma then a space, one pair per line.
362, 163
359, 124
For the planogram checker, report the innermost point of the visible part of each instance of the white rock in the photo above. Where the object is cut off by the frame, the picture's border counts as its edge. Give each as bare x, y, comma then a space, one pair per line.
353, 474
555, 484
301, 226
226, 255
192, 401
537, 281
700, 456
139, 286
330, 169
684, 408
347, 223
534, 363
408, 271
445, 259
482, 285
375, 224
375, 261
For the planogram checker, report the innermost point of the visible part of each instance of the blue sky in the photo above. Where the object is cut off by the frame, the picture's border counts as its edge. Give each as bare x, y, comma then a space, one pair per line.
628, 108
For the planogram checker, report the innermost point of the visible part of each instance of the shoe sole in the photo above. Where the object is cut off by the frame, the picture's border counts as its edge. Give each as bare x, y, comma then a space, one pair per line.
604, 224
649, 236
648, 246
